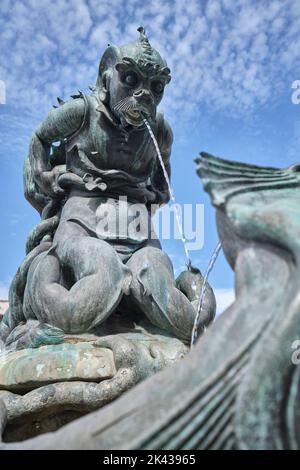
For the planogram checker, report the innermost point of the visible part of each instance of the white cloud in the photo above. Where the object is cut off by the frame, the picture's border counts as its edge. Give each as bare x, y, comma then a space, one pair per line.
224, 298
226, 55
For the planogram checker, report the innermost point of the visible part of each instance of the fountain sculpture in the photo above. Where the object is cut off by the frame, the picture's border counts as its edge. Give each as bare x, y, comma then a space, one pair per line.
239, 386
94, 308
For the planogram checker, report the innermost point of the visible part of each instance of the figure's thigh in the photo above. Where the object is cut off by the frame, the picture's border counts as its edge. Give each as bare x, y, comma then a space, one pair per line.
68, 229
82, 253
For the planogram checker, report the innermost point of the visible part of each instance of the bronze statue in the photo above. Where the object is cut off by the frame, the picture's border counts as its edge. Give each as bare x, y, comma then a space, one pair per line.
93, 311
77, 271
94, 308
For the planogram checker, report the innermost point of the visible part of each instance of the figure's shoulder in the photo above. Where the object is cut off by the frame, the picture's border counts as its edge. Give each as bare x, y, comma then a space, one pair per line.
164, 131
79, 107
63, 119
75, 105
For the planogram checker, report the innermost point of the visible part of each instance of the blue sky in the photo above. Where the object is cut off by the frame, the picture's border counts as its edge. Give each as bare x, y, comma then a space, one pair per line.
233, 63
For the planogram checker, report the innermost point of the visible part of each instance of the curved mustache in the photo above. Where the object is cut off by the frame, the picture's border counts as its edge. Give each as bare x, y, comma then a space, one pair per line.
128, 103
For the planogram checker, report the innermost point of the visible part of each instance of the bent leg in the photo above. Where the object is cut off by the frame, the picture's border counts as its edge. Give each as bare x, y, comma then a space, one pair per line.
99, 280
153, 289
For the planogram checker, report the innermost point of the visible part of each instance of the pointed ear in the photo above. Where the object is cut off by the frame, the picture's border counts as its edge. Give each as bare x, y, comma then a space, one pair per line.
110, 57
104, 86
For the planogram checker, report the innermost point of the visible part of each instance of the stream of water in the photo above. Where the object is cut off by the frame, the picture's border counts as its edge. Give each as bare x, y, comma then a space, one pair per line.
203, 291
179, 224
172, 195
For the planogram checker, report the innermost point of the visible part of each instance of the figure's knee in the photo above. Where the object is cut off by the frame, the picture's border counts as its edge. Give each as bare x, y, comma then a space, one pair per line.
88, 256
152, 259
86, 293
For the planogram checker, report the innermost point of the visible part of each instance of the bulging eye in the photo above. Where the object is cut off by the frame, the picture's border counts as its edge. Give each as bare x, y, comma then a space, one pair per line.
157, 86
131, 79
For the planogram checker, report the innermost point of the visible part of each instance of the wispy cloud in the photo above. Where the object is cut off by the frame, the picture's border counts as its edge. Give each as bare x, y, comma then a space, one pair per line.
224, 298
228, 55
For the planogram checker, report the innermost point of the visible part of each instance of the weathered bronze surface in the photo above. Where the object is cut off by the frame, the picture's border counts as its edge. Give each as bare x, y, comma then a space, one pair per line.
77, 271
90, 275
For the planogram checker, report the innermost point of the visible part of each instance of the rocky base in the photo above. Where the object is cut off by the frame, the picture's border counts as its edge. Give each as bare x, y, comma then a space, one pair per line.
47, 387
28, 369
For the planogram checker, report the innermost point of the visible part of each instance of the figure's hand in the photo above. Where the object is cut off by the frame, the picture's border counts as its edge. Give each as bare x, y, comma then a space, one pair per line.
150, 194
49, 181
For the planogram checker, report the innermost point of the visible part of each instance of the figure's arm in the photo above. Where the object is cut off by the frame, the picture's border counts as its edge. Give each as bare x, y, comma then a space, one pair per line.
160, 186
58, 125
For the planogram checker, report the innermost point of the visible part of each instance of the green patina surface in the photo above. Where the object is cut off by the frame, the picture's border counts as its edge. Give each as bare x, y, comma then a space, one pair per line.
31, 368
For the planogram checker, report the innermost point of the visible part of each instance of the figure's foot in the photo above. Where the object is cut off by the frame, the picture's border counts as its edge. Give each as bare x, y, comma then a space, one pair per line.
33, 334
190, 283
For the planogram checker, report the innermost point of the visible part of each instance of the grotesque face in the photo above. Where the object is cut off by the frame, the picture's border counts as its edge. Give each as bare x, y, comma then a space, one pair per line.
135, 94
132, 79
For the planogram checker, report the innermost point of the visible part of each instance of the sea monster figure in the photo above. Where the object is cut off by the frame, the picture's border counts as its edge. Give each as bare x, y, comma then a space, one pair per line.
77, 272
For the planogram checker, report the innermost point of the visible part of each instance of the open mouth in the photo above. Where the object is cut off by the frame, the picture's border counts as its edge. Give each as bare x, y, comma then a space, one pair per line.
134, 113
135, 116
